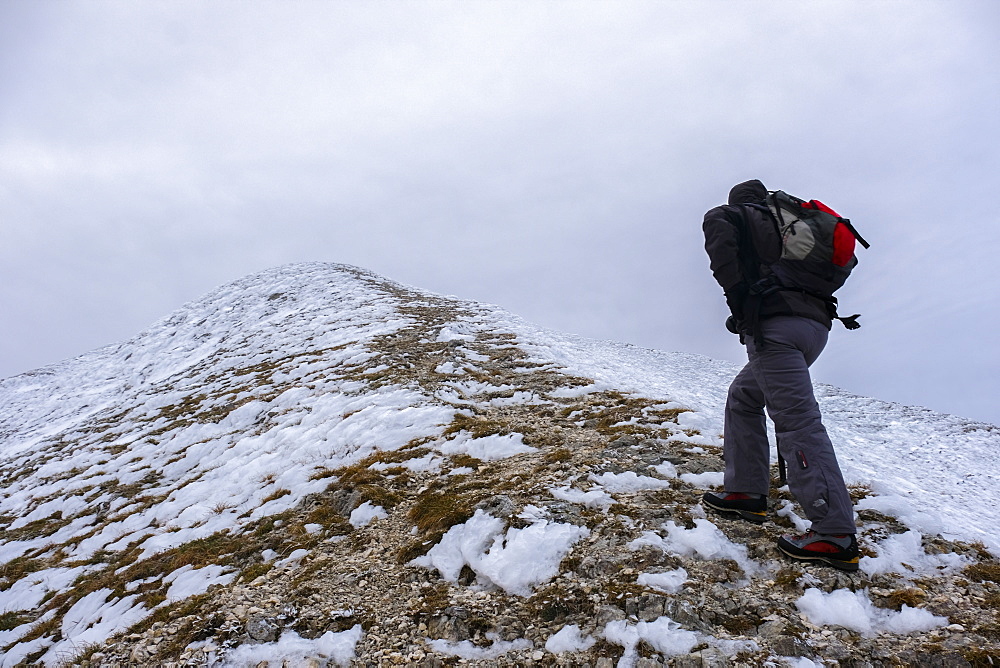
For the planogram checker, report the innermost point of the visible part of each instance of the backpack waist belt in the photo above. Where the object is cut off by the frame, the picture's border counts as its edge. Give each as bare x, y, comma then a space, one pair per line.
768, 286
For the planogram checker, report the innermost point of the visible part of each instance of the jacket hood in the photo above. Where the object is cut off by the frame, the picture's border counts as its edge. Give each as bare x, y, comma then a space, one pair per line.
748, 192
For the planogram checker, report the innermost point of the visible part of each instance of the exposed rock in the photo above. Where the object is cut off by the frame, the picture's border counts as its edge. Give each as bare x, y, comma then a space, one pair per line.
365, 576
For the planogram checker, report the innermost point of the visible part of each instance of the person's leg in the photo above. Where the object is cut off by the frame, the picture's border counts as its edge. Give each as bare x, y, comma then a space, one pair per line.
745, 445
781, 369
746, 453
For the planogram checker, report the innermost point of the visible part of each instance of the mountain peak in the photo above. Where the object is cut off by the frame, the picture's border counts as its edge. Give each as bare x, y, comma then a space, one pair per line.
317, 463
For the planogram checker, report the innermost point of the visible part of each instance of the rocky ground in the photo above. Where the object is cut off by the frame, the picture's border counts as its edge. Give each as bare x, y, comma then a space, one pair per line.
363, 575
326, 574
361, 579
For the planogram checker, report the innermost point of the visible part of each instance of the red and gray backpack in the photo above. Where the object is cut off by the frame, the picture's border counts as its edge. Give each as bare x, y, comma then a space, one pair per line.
817, 255
815, 236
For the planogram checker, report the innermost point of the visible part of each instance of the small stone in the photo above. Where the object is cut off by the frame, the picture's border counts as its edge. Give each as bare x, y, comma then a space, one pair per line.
608, 613
647, 662
262, 629
956, 628
687, 661
789, 646
772, 628
712, 657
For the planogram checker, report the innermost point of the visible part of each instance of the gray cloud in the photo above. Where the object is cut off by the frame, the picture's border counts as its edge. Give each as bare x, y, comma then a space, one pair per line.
554, 158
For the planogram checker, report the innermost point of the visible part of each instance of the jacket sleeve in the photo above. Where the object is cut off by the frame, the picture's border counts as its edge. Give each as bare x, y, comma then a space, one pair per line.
722, 245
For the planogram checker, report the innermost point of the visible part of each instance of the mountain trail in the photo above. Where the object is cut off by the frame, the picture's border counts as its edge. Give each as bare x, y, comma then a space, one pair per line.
319, 466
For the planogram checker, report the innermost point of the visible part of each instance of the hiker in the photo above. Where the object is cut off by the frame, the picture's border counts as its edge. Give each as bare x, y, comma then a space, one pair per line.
784, 328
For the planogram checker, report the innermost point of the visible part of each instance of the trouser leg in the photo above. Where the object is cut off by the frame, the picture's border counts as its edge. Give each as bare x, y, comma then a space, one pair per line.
745, 443
781, 369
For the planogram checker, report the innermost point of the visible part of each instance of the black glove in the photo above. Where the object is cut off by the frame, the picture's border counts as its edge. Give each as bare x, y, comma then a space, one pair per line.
736, 297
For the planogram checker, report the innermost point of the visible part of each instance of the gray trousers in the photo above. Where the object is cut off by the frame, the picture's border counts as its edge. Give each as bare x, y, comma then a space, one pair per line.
777, 377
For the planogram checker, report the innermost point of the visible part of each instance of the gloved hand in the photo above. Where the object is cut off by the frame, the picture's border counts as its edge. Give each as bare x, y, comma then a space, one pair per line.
736, 297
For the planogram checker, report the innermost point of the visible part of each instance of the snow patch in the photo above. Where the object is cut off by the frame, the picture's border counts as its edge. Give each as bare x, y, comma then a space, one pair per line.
515, 561
292, 560
855, 611
704, 541
338, 648
904, 554
666, 469
190, 581
569, 639
670, 582
466, 650
364, 514
787, 509
486, 448
595, 498
628, 482
710, 479
664, 635
28, 592
92, 620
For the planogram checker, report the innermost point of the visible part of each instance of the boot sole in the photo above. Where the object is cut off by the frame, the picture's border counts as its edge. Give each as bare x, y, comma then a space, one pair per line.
733, 513
849, 565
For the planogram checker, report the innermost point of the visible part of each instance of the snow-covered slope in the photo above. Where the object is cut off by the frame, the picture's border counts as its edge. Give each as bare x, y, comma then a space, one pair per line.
140, 475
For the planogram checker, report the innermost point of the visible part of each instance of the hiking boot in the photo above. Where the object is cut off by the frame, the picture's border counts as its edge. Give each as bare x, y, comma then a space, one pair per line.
737, 506
840, 551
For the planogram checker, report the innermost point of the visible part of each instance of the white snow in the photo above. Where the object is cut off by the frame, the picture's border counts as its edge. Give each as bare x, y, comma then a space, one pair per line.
455, 333
366, 513
462, 544
569, 639
466, 650
486, 448
515, 561
428, 462
28, 592
628, 481
664, 635
903, 509
91, 620
215, 472
189, 581
595, 498
855, 611
801, 662
16, 654
710, 479
666, 469
336, 648
787, 509
293, 559
669, 582
704, 541
904, 554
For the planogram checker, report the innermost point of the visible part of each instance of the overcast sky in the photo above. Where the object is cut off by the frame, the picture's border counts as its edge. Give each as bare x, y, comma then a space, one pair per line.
555, 158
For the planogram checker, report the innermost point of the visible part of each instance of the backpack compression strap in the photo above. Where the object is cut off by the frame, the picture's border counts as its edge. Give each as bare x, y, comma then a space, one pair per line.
819, 206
